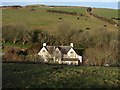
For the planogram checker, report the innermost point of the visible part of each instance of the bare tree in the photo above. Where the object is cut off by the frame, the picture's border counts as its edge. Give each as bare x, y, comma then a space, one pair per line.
64, 32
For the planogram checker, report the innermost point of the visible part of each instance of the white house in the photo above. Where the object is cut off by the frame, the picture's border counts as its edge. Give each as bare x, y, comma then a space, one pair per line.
61, 54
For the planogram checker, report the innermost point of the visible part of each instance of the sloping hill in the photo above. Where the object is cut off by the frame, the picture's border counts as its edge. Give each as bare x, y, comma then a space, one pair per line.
61, 26
106, 12
38, 17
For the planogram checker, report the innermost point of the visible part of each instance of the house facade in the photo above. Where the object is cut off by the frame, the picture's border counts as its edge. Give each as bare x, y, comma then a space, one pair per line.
60, 54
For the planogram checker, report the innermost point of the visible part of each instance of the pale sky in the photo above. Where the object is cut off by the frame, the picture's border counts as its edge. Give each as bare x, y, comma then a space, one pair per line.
91, 3
60, 0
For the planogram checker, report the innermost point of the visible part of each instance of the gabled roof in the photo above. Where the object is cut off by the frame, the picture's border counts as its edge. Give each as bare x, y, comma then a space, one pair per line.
64, 49
79, 51
50, 49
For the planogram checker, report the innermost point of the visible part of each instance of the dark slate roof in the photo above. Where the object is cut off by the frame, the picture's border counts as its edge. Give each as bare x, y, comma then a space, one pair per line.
50, 49
79, 51
64, 49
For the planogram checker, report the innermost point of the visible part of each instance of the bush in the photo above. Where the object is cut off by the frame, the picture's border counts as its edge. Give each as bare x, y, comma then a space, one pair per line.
101, 56
34, 58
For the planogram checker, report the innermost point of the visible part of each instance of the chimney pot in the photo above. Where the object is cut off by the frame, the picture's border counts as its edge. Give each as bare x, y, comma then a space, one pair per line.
71, 44
44, 44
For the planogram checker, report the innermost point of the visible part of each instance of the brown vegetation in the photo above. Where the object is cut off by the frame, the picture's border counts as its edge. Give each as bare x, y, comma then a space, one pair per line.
100, 45
14, 54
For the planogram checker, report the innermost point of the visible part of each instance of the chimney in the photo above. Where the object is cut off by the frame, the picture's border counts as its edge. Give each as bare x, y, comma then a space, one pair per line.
71, 44
44, 44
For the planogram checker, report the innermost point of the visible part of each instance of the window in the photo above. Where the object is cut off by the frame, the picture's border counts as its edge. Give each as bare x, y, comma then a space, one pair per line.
71, 52
43, 50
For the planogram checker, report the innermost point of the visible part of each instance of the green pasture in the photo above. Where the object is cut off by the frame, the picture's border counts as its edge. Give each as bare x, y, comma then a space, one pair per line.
58, 76
50, 22
106, 12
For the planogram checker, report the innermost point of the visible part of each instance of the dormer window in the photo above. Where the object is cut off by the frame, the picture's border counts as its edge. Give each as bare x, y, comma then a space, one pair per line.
43, 50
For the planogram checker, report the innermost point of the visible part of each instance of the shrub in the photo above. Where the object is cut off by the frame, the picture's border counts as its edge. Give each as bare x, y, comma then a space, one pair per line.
101, 56
34, 58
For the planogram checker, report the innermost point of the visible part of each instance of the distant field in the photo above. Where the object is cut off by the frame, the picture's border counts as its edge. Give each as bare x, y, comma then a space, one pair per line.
50, 22
10, 44
58, 76
106, 12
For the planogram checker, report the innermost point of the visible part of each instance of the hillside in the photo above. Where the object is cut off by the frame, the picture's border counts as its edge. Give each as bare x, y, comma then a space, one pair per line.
24, 30
40, 18
23, 27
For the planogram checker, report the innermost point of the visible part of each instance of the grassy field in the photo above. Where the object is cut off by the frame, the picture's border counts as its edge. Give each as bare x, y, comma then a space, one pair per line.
106, 12
42, 20
50, 22
59, 76
10, 44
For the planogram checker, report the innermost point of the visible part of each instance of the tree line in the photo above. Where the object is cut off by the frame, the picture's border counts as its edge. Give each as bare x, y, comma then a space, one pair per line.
17, 34
100, 45
64, 12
